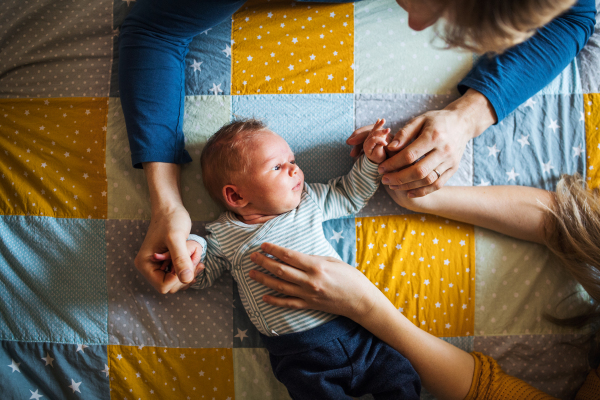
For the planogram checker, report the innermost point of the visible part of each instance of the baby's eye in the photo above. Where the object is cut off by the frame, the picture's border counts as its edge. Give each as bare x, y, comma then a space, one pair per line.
277, 167
293, 162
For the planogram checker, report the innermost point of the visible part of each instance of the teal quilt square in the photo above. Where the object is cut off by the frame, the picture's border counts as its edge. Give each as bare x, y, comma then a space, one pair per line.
53, 285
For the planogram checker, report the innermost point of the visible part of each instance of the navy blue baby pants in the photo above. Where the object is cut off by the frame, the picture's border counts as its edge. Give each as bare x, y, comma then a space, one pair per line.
340, 359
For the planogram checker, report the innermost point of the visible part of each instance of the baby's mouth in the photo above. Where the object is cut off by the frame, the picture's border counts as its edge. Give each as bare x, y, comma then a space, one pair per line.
297, 186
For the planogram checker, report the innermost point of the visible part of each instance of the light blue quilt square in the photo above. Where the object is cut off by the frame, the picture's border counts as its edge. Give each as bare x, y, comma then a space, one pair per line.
315, 126
53, 285
534, 145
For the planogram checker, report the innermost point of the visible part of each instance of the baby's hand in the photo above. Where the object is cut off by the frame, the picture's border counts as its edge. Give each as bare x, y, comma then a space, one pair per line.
374, 146
195, 253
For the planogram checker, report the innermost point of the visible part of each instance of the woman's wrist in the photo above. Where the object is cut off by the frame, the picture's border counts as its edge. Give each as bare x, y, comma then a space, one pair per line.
475, 110
164, 187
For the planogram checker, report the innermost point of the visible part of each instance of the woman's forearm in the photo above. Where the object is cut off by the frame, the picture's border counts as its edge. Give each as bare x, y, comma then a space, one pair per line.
517, 211
163, 184
445, 370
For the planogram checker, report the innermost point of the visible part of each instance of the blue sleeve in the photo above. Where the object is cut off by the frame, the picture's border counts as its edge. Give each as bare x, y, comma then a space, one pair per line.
508, 79
153, 43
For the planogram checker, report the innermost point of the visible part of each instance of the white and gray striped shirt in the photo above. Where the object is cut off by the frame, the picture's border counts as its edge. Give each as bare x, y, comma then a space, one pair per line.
231, 242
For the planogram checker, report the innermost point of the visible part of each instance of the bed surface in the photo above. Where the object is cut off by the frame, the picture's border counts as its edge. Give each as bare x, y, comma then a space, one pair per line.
76, 318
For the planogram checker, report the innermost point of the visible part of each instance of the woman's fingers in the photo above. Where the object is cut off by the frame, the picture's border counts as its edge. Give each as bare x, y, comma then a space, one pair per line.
282, 285
407, 133
438, 184
407, 156
287, 302
294, 258
420, 174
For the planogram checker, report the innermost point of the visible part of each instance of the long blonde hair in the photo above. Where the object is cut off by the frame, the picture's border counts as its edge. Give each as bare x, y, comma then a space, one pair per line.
573, 235
492, 26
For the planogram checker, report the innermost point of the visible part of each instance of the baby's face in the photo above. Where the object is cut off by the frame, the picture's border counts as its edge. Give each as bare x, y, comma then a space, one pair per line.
274, 183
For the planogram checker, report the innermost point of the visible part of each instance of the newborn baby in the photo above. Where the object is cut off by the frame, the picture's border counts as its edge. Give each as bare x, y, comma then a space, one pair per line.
253, 173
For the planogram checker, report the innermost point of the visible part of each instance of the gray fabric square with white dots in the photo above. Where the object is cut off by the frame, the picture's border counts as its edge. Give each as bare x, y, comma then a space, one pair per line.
555, 364
55, 48
139, 315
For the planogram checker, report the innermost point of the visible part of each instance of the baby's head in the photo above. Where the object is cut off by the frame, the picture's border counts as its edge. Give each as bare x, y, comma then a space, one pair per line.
251, 170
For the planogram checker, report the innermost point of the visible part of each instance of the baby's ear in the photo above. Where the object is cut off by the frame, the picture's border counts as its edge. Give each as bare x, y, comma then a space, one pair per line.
233, 198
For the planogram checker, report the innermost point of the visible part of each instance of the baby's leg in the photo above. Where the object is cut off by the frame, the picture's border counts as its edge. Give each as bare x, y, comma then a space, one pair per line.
321, 373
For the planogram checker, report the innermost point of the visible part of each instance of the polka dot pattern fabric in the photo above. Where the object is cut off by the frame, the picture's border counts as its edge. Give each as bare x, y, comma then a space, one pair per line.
49, 267
516, 283
55, 48
138, 315
541, 360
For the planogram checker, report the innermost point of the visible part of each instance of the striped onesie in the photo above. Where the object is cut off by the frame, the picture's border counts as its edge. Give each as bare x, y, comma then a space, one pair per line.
230, 242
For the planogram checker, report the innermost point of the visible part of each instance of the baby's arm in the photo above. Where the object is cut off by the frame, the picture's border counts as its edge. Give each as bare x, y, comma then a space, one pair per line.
214, 260
348, 194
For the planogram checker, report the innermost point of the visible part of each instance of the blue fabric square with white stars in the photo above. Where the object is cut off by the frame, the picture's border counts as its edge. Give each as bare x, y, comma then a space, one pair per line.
53, 371
208, 62
341, 234
534, 145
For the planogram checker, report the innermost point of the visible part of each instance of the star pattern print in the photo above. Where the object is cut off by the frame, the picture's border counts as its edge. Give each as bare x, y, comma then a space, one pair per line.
534, 145
52, 371
54, 157
308, 48
425, 266
591, 115
176, 373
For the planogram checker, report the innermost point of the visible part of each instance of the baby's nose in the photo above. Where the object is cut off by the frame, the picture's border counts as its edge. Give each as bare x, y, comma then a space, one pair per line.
293, 170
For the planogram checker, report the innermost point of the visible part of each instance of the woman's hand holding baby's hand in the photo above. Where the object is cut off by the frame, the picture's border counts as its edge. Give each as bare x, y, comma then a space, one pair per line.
195, 253
374, 146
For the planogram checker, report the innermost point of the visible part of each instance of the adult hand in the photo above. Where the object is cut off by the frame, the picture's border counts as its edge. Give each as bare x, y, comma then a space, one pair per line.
168, 232
438, 140
315, 282
169, 229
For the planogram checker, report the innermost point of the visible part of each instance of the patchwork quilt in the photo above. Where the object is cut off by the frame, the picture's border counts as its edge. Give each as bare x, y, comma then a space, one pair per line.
78, 321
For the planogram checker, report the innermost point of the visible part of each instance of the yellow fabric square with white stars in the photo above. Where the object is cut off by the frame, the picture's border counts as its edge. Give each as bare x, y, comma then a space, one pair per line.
591, 106
170, 373
53, 161
293, 48
425, 265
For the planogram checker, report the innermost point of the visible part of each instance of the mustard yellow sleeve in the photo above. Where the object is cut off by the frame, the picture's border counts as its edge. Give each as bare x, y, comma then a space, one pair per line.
591, 387
491, 383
